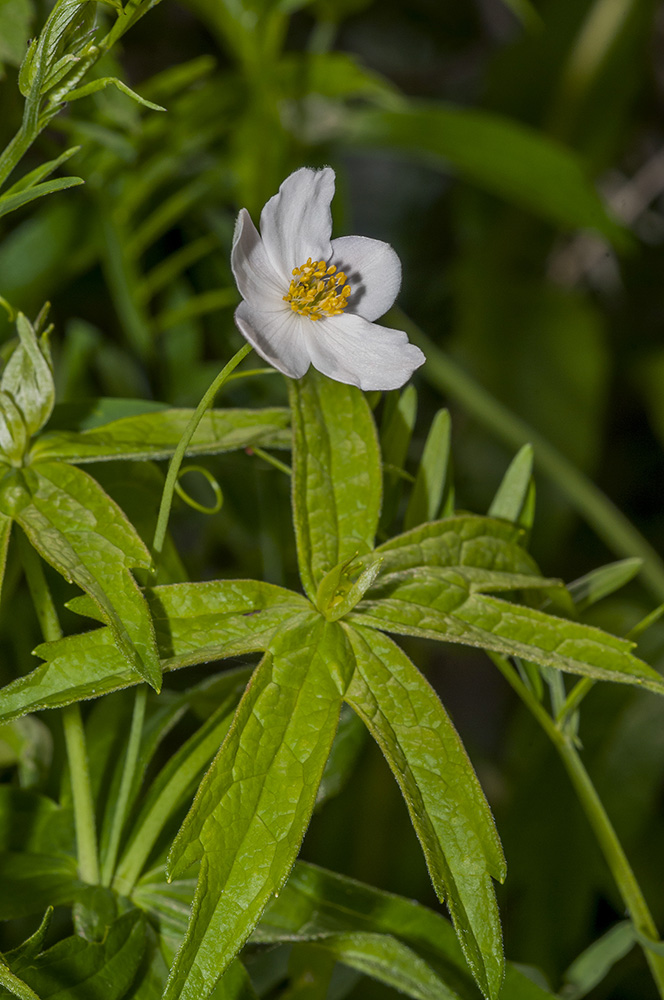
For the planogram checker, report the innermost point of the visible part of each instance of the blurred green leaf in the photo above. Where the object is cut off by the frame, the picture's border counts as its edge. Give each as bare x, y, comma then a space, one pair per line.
501, 155
512, 494
592, 966
348, 743
446, 805
175, 784
28, 744
31, 882
34, 823
315, 902
396, 431
91, 970
602, 582
16, 17
433, 486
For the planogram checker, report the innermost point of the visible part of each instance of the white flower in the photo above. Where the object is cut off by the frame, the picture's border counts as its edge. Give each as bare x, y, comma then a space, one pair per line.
309, 299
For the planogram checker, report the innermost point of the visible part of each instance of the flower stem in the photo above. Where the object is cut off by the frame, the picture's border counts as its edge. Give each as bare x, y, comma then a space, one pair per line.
606, 836
609, 522
120, 811
176, 461
84, 816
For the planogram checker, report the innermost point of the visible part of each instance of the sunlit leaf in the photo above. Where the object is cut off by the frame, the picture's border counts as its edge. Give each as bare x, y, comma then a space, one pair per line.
446, 804
77, 528
156, 435
336, 475
250, 814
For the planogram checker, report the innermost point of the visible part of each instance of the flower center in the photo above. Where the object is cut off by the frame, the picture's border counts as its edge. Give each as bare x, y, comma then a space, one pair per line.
318, 290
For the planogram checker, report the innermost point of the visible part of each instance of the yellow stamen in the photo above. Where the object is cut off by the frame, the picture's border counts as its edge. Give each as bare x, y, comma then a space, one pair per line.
318, 290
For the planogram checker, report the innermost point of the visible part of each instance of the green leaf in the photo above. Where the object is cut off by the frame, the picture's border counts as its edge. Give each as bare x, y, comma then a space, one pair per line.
109, 81
348, 743
31, 947
464, 540
343, 587
156, 435
592, 965
512, 494
29, 180
10, 202
451, 605
34, 823
265, 777
194, 623
76, 969
175, 784
5, 531
397, 426
27, 744
15, 986
13, 432
28, 377
16, 17
396, 430
31, 882
446, 804
388, 960
602, 582
169, 903
197, 622
336, 475
501, 155
80, 531
433, 480
315, 902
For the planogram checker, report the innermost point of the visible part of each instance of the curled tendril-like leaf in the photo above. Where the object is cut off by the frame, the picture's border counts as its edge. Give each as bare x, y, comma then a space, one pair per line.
214, 485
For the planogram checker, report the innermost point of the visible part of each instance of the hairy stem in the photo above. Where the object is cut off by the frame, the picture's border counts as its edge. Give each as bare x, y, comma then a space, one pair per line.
84, 816
606, 836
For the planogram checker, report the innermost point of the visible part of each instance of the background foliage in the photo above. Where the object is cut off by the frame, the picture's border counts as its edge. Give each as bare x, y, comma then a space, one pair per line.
472, 137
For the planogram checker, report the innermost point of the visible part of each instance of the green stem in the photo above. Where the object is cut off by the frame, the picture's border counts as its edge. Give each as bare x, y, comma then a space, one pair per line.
126, 783
271, 460
602, 827
609, 522
176, 461
84, 816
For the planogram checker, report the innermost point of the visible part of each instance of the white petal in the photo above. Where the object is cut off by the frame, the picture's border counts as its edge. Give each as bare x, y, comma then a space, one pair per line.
297, 223
373, 270
254, 275
350, 349
277, 336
